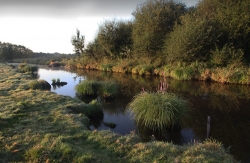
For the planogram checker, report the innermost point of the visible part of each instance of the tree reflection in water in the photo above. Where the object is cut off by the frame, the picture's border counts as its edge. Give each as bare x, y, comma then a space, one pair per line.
227, 104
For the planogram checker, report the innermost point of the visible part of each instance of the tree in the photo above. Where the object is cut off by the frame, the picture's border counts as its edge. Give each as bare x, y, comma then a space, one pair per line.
114, 38
10, 51
212, 25
78, 42
192, 40
153, 20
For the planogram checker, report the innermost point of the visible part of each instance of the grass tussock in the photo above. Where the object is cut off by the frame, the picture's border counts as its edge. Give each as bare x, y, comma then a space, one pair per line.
40, 84
87, 87
157, 111
94, 88
38, 126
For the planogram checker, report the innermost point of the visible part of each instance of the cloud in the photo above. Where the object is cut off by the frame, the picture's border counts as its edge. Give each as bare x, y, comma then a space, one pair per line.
71, 8
68, 8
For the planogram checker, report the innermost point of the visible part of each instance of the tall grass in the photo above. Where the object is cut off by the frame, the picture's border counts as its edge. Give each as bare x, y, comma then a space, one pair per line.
93, 109
158, 110
27, 68
109, 88
87, 87
143, 69
39, 85
94, 87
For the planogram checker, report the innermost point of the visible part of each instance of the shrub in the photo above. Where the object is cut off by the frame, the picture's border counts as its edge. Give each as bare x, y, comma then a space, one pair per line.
192, 40
40, 85
227, 56
157, 111
153, 20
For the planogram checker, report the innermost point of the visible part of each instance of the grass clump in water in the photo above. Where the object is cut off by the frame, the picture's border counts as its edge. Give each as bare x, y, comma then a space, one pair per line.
158, 111
109, 88
87, 87
93, 87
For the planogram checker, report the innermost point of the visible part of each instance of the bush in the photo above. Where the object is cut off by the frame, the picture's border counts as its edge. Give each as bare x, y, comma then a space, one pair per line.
40, 85
153, 20
157, 111
227, 56
192, 40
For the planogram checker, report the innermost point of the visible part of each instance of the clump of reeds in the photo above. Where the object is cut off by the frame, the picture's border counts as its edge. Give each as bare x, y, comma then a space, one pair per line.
109, 88
158, 110
94, 87
87, 87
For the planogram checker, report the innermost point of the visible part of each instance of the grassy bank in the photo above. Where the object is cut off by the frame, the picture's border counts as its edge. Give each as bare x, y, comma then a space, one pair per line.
39, 126
237, 74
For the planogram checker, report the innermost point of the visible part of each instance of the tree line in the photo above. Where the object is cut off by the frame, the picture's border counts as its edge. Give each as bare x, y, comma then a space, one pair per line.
168, 31
10, 51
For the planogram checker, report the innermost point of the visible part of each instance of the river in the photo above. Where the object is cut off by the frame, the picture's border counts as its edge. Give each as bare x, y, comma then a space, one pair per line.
228, 105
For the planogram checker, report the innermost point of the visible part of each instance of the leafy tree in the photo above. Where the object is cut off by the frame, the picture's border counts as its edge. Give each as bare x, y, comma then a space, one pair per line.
114, 38
78, 42
94, 50
192, 40
234, 19
211, 25
10, 51
152, 21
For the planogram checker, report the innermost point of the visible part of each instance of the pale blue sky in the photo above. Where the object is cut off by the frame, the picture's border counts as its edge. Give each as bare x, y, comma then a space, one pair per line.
48, 25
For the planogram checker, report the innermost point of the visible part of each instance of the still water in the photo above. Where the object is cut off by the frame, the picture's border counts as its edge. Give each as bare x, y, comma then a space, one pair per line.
228, 106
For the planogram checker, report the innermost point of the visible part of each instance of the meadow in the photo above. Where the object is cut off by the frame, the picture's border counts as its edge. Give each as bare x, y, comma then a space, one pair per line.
41, 126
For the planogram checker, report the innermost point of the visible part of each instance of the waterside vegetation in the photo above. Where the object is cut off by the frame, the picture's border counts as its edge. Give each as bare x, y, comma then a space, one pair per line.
209, 41
105, 89
64, 135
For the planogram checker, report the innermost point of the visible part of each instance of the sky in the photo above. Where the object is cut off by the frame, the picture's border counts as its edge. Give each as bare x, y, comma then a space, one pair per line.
48, 25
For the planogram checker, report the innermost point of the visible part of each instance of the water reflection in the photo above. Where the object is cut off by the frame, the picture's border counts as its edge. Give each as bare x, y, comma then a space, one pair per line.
227, 104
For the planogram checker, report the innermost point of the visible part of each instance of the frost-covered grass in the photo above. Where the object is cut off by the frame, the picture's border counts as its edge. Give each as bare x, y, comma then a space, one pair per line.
38, 126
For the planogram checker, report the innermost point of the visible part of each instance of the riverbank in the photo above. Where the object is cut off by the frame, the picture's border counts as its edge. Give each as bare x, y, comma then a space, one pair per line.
37, 126
235, 74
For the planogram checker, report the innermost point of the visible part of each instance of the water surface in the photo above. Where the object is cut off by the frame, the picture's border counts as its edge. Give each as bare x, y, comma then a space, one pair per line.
228, 106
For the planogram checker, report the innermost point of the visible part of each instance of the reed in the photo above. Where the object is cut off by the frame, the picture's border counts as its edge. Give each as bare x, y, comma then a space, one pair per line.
87, 87
109, 88
157, 110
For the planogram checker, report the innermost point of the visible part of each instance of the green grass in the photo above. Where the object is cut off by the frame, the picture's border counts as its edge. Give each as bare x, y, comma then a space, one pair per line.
109, 88
40, 84
38, 126
87, 87
94, 87
157, 110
